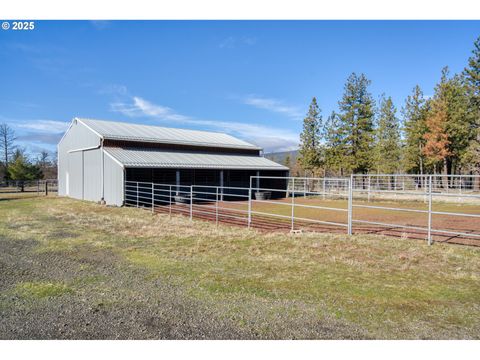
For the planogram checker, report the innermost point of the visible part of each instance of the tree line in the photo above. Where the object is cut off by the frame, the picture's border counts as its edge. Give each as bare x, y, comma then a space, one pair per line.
429, 135
17, 165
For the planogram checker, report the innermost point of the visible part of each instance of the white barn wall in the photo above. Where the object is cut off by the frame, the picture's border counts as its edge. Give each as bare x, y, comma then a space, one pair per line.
114, 181
70, 164
75, 175
92, 173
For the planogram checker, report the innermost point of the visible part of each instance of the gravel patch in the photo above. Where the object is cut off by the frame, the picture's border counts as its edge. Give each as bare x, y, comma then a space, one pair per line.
111, 299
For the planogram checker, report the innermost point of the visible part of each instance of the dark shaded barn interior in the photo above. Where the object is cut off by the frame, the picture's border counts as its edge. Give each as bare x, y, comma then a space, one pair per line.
212, 178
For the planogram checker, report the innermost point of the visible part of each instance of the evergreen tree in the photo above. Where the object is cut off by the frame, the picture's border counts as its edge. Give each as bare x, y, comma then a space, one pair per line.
459, 121
287, 161
387, 138
334, 145
471, 156
22, 169
449, 124
414, 127
356, 125
436, 138
297, 169
310, 157
472, 75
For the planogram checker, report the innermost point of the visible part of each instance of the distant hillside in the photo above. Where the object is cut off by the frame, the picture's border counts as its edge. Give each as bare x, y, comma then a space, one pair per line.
280, 156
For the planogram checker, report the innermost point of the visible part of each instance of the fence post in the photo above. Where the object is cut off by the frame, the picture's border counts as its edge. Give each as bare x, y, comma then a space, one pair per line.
250, 204
293, 206
191, 202
170, 201
137, 194
369, 180
153, 197
350, 206
429, 237
216, 209
324, 187
38, 187
46, 187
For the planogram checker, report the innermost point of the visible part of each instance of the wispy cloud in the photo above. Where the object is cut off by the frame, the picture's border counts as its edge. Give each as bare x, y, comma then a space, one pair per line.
41, 138
273, 105
48, 126
271, 139
228, 43
141, 107
100, 24
232, 42
35, 134
111, 89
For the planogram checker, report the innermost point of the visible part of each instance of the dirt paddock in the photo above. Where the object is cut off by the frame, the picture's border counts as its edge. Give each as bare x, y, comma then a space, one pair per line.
276, 216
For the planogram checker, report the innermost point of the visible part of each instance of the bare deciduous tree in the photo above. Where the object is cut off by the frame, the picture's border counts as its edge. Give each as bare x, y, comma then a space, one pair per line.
7, 146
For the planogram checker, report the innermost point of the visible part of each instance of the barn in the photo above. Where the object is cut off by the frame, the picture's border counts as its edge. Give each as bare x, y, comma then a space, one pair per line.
96, 158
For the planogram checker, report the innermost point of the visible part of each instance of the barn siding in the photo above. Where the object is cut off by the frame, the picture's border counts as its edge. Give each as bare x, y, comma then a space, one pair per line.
114, 182
92, 174
75, 175
77, 137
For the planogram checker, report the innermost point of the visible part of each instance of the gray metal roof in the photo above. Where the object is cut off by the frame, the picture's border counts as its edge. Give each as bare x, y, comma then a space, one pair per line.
147, 133
192, 160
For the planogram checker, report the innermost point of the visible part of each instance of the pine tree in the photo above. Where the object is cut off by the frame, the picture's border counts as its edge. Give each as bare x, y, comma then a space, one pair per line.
287, 161
334, 150
356, 125
22, 169
437, 142
310, 157
387, 138
459, 121
414, 127
449, 123
471, 156
472, 75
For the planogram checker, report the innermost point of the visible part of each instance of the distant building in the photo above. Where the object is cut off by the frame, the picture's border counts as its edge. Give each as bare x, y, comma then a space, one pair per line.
95, 158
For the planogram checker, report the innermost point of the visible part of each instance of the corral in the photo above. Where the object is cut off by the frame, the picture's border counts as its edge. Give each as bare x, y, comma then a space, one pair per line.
426, 207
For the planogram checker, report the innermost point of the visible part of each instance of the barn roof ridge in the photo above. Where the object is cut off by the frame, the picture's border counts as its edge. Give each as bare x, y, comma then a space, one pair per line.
116, 130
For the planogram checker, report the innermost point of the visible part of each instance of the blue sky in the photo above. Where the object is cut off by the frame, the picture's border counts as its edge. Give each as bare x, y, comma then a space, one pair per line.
252, 79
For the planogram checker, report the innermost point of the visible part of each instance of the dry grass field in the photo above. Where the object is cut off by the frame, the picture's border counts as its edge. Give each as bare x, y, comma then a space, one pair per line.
78, 270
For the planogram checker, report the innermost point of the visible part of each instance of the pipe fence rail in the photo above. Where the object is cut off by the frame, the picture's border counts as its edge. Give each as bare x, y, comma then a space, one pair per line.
406, 204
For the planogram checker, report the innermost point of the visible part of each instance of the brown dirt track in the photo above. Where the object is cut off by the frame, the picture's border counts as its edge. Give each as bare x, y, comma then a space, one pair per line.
227, 214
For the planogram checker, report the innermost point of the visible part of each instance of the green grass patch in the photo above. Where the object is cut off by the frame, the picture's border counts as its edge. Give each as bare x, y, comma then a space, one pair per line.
40, 290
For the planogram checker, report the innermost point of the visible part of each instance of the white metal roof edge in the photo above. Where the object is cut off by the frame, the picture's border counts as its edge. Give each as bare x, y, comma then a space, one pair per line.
106, 136
65, 134
212, 167
88, 127
113, 158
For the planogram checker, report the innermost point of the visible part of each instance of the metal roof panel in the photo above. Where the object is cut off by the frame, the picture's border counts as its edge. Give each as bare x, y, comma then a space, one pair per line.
133, 157
148, 133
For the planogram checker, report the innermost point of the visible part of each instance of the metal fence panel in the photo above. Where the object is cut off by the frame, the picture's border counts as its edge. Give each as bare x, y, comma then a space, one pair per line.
306, 201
